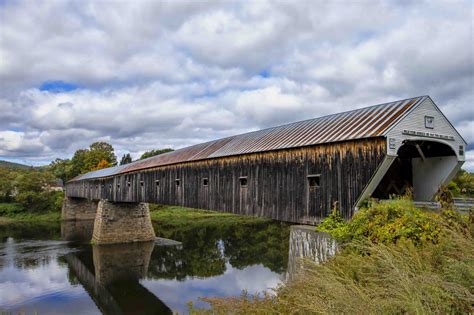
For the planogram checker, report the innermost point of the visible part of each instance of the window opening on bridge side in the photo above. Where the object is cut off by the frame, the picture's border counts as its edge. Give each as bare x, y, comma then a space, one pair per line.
243, 181
205, 181
178, 182
141, 183
314, 180
157, 183
129, 184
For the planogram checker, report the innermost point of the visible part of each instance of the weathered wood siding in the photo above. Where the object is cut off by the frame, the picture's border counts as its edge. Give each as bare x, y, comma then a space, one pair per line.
277, 182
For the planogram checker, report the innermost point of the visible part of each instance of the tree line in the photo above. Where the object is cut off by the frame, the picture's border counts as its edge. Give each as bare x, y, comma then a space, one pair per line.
38, 189
99, 155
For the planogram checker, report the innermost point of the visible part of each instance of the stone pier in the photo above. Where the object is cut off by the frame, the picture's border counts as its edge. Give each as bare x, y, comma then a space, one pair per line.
78, 209
122, 223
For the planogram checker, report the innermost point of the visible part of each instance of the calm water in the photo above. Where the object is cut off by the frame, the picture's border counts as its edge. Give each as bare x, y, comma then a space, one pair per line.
51, 269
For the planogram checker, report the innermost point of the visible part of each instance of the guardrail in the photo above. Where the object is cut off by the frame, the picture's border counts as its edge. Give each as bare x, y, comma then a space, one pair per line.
463, 205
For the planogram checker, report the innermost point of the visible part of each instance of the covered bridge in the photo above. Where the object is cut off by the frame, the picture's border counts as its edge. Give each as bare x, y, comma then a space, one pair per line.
296, 172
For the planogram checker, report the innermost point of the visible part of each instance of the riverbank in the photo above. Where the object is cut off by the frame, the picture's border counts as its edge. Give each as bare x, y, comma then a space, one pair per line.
177, 216
165, 215
14, 212
394, 259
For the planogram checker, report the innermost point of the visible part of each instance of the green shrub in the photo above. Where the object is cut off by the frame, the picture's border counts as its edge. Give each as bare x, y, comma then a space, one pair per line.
40, 202
58, 197
335, 225
385, 222
10, 209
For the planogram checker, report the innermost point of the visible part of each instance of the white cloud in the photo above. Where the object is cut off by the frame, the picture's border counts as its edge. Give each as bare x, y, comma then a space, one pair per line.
268, 105
13, 142
153, 74
469, 164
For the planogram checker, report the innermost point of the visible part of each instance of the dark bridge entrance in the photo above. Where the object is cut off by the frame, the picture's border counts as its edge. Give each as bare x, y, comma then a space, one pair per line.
421, 166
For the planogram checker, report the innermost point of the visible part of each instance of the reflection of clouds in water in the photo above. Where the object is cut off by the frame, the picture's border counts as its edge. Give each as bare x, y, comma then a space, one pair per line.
20, 285
41, 287
175, 293
44, 288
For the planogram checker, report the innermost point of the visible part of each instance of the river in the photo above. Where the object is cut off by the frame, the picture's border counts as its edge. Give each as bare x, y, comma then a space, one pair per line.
53, 268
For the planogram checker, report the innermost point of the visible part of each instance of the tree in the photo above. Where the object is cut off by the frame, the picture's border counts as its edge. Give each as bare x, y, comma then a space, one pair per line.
126, 159
463, 184
151, 153
85, 160
102, 164
97, 152
33, 181
7, 177
62, 169
78, 163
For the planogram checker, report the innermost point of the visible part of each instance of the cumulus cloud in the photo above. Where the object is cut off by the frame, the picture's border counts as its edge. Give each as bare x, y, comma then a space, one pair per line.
149, 74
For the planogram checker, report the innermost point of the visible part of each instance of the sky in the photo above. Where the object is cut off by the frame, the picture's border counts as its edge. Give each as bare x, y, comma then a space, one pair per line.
143, 75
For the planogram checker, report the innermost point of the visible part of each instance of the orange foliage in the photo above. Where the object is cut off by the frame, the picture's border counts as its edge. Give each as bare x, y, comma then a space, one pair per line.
102, 164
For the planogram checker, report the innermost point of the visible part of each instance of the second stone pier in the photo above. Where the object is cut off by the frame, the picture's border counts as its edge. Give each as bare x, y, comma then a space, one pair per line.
122, 223
78, 209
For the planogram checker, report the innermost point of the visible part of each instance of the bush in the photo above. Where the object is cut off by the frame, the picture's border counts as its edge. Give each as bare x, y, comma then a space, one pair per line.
385, 222
10, 209
40, 202
58, 197
335, 225
463, 184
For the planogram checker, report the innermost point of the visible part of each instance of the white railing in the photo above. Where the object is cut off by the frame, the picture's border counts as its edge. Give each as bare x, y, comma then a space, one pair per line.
460, 204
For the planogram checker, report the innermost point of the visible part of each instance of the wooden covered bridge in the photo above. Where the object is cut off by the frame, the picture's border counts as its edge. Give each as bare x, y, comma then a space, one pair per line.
295, 172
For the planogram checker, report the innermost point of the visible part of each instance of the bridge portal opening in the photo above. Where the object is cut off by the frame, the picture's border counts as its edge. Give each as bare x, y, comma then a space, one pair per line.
421, 166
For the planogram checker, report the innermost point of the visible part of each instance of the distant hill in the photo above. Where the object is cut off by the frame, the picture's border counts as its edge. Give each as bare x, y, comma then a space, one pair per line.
7, 164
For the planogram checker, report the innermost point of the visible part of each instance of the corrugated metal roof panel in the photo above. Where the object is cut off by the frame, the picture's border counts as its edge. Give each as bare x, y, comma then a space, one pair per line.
110, 171
361, 123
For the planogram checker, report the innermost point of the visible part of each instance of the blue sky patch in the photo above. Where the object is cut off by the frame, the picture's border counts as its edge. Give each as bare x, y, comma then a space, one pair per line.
265, 73
57, 86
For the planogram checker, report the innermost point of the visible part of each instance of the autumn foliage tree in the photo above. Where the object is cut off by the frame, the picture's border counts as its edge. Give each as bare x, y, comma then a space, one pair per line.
85, 160
102, 164
98, 152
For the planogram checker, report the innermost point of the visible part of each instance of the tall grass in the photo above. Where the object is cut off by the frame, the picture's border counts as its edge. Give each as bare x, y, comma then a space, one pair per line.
392, 262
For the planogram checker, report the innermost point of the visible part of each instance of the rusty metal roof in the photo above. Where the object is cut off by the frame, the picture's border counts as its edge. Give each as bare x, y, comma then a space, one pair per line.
361, 123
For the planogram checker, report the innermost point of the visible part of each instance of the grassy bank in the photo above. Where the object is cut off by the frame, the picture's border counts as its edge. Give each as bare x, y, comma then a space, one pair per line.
177, 216
395, 258
14, 212
165, 215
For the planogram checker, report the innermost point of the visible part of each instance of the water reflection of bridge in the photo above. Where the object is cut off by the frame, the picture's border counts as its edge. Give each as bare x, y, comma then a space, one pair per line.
306, 243
110, 274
